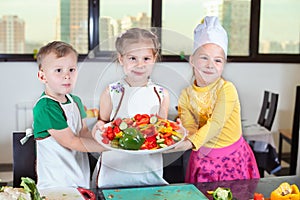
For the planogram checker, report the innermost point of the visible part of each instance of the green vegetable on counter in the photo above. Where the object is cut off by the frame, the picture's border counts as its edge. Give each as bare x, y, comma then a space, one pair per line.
29, 186
222, 194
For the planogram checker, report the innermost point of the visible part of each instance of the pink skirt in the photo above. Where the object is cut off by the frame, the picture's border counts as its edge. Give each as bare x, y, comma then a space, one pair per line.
235, 162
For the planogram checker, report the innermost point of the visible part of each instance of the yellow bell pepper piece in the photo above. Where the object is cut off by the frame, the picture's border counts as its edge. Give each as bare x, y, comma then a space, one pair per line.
286, 191
179, 135
119, 135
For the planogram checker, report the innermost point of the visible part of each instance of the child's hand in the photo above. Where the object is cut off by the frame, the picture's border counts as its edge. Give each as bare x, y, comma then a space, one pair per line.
183, 146
98, 126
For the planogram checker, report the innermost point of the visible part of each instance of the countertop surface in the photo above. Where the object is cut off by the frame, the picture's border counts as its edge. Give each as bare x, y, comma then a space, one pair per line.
241, 189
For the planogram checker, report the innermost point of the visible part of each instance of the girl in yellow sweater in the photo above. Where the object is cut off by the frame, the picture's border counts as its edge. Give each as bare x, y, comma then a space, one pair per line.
210, 110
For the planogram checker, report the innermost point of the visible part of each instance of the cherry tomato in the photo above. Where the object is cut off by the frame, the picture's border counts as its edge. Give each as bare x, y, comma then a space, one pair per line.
169, 141
117, 122
110, 133
149, 143
258, 196
109, 129
116, 130
105, 140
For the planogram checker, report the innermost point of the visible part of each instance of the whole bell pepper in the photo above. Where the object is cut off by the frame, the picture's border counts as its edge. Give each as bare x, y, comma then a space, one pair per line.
286, 191
132, 139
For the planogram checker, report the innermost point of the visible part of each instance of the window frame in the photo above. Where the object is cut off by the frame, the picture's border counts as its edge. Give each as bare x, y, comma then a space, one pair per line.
156, 21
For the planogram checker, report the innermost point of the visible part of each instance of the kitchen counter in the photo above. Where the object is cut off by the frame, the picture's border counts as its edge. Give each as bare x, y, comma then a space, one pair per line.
241, 189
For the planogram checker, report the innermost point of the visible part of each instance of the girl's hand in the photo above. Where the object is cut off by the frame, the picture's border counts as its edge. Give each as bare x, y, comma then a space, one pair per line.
183, 146
98, 126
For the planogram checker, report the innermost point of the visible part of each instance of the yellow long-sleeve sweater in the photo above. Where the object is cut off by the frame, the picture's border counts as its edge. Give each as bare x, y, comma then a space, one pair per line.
211, 114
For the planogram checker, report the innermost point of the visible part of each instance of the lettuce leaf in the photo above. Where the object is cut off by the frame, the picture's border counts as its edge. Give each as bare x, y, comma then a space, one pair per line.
29, 186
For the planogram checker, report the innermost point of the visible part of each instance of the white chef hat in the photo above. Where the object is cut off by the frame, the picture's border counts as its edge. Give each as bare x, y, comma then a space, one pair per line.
210, 31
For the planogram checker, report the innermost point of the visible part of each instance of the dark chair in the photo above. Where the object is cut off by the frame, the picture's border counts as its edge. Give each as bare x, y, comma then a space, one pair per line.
24, 157
265, 119
268, 110
291, 136
174, 172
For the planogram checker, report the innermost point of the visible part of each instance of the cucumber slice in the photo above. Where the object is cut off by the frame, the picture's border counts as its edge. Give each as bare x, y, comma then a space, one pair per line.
175, 138
123, 125
153, 119
163, 145
160, 141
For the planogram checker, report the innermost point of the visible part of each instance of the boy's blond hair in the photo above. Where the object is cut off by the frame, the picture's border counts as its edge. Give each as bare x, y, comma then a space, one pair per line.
58, 47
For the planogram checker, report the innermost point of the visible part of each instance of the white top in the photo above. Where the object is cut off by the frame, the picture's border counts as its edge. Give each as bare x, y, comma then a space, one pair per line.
123, 169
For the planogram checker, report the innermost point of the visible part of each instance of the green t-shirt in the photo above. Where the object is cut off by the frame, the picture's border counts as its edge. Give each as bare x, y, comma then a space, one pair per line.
48, 114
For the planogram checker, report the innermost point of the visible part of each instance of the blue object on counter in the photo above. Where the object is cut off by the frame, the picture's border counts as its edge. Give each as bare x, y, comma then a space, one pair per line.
169, 192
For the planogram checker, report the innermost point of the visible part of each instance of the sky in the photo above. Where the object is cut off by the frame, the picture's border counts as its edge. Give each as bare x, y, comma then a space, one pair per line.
44, 14
41, 12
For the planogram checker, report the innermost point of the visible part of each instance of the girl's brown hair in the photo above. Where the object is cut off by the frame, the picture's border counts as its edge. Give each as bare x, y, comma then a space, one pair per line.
136, 35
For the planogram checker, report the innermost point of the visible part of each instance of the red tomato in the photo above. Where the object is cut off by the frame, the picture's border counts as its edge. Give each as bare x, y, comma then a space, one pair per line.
117, 122
104, 134
258, 196
149, 143
150, 131
169, 141
105, 140
111, 135
128, 121
109, 129
116, 130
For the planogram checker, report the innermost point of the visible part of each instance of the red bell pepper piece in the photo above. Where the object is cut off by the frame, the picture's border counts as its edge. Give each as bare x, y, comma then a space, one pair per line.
169, 141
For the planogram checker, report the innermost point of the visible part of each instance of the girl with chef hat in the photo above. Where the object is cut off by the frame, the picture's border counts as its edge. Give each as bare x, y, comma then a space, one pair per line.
210, 110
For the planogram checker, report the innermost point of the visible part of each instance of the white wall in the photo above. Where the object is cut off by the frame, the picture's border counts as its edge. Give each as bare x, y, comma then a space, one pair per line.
19, 85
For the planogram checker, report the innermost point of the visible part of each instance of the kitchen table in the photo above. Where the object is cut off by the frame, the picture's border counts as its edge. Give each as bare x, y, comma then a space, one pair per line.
262, 143
258, 133
241, 189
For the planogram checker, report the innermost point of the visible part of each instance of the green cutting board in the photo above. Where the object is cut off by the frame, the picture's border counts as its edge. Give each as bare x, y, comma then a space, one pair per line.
169, 192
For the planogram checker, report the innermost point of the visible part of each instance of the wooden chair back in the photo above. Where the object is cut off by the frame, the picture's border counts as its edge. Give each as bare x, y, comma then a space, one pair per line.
268, 110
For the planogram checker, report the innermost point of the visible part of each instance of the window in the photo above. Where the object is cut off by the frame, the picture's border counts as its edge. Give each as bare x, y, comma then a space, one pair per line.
258, 30
114, 19
27, 25
233, 15
279, 36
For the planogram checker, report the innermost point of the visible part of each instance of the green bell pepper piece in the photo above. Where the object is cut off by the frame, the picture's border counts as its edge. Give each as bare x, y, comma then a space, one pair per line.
132, 139
222, 194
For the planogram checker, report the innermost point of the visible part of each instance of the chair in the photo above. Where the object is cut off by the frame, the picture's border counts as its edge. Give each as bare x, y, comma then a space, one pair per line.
268, 110
265, 119
291, 136
24, 157
174, 172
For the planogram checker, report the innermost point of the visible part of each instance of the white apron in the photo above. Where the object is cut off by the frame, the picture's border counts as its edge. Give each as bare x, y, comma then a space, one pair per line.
123, 169
58, 166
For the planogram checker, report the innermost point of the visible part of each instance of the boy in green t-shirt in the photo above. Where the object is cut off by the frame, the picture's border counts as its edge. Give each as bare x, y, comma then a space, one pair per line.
60, 131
